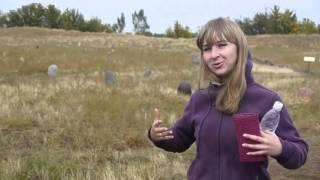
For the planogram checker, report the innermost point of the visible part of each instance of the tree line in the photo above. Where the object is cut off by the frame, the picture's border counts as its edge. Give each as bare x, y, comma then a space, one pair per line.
34, 14
37, 15
277, 22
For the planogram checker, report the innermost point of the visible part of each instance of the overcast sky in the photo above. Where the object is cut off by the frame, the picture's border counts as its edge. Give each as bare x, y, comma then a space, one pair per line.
162, 14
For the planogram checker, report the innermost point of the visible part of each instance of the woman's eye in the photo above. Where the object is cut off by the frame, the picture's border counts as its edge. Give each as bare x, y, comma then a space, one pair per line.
220, 45
206, 48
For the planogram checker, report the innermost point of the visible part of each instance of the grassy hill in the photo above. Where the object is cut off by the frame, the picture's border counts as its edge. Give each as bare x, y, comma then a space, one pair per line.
75, 126
287, 50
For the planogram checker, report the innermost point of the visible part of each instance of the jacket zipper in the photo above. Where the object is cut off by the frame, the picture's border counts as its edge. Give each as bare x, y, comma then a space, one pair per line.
201, 124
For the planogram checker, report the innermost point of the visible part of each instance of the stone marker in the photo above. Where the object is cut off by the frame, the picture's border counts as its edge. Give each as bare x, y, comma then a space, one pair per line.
109, 78
184, 88
147, 72
195, 59
53, 70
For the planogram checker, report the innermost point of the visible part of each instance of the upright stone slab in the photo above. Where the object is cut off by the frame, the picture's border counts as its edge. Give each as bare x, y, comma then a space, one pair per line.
109, 78
53, 70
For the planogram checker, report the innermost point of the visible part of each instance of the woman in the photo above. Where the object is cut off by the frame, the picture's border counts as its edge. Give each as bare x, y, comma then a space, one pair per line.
207, 119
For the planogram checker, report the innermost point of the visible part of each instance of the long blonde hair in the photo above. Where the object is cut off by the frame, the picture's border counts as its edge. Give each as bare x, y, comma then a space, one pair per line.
234, 84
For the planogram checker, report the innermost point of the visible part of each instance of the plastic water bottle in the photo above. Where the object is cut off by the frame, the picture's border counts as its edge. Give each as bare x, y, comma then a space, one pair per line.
270, 120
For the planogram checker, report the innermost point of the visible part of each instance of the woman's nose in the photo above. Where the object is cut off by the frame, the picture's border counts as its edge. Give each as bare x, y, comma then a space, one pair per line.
214, 52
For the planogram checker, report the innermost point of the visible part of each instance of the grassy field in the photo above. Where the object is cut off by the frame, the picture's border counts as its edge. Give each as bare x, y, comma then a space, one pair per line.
75, 126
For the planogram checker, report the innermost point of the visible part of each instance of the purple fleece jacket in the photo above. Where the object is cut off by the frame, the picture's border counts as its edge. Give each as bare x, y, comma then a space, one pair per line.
214, 132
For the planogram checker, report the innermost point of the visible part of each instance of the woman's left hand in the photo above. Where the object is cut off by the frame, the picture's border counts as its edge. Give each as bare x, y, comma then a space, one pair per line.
267, 144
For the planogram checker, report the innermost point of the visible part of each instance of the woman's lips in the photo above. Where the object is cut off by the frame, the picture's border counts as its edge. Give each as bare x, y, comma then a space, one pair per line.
217, 65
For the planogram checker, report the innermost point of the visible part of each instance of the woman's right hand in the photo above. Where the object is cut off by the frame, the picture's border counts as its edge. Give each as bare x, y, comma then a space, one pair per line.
158, 132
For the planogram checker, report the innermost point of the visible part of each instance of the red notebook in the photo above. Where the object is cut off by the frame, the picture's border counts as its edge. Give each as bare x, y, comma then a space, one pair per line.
247, 123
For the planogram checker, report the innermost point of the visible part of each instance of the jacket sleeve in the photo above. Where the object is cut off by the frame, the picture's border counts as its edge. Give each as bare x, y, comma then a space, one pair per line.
183, 132
294, 148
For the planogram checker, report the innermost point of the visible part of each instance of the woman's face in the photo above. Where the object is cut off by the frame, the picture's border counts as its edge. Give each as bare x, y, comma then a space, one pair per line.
221, 57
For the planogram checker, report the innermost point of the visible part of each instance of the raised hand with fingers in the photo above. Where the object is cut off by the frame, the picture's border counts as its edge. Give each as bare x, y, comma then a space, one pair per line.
157, 131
